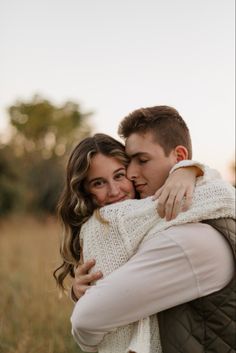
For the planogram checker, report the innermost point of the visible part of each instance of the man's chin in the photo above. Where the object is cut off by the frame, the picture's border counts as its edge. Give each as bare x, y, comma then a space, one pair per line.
143, 194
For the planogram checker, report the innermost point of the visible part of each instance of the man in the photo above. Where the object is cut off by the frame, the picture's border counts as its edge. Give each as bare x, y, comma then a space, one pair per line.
190, 261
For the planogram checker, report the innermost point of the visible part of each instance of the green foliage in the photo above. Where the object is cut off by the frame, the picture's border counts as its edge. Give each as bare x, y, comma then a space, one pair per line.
45, 179
41, 126
32, 164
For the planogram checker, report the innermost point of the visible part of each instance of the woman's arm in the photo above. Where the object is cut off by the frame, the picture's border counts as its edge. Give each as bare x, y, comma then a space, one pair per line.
176, 194
130, 221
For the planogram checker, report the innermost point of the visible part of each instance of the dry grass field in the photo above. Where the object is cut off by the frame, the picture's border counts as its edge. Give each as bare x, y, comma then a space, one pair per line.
33, 319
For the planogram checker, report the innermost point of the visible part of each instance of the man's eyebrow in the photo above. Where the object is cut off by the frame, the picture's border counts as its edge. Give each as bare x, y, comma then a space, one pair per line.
138, 154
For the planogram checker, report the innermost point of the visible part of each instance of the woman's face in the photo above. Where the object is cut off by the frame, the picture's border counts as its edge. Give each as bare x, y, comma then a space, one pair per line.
107, 182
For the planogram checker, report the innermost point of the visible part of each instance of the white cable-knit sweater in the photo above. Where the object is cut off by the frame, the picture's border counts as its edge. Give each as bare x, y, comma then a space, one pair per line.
113, 242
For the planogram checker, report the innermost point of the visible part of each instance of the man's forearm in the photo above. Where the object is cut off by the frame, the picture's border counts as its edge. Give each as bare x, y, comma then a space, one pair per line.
171, 268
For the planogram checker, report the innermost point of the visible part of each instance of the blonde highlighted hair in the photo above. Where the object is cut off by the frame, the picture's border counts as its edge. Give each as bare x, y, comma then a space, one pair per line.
76, 204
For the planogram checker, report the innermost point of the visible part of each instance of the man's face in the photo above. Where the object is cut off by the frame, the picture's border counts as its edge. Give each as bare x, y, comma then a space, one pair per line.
149, 166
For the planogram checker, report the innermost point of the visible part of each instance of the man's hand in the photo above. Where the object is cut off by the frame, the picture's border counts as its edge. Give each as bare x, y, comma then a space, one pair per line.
176, 194
83, 279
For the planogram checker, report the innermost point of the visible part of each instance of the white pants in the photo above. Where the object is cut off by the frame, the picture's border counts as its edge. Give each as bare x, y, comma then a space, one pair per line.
178, 265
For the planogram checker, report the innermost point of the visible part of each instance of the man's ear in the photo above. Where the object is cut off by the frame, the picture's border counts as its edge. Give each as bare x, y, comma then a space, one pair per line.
181, 153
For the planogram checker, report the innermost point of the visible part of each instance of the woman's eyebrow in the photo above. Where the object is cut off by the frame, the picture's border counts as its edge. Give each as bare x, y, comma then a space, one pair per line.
95, 179
119, 169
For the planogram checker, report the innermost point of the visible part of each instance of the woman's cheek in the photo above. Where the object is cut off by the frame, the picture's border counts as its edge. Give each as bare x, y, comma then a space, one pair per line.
99, 199
131, 189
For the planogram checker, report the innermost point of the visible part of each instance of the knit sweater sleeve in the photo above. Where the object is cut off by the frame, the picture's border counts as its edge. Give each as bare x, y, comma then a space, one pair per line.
208, 173
132, 219
211, 200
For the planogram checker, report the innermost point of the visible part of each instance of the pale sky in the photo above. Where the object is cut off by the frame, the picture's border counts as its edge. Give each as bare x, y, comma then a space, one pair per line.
116, 56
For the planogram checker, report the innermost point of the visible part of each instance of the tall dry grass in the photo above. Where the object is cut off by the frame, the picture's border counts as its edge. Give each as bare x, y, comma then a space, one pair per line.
33, 319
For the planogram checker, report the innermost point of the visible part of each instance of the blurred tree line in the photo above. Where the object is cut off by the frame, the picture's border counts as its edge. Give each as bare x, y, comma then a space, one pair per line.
32, 162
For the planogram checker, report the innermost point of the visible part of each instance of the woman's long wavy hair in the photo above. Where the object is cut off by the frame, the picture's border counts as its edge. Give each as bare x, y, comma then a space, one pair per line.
76, 204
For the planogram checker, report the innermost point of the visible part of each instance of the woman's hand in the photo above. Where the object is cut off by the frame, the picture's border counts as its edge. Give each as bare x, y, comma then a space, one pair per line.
176, 194
82, 279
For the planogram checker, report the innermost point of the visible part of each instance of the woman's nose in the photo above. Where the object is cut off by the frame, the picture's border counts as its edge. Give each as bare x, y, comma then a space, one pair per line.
114, 189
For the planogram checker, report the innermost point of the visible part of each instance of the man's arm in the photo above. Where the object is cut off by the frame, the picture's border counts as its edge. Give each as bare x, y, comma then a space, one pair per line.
173, 267
83, 279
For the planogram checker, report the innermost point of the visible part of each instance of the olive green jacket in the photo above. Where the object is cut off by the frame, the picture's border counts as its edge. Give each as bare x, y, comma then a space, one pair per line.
207, 324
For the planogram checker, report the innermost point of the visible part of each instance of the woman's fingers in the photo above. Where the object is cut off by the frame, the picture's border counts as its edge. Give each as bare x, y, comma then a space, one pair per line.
158, 193
176, 194
162, 199
177, 204
173, 201
167, 201
188, 198
173, 205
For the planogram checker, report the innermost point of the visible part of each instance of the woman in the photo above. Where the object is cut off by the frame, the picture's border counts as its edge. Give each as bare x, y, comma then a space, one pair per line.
96, 177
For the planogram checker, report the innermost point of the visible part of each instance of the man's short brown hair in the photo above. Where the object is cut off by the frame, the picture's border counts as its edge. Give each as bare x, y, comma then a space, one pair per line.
165, 123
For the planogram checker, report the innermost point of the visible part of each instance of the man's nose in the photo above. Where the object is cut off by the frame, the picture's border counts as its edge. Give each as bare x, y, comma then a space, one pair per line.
132, 172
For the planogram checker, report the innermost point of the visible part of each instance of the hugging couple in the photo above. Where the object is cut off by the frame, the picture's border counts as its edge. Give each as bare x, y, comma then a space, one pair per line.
149, 238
